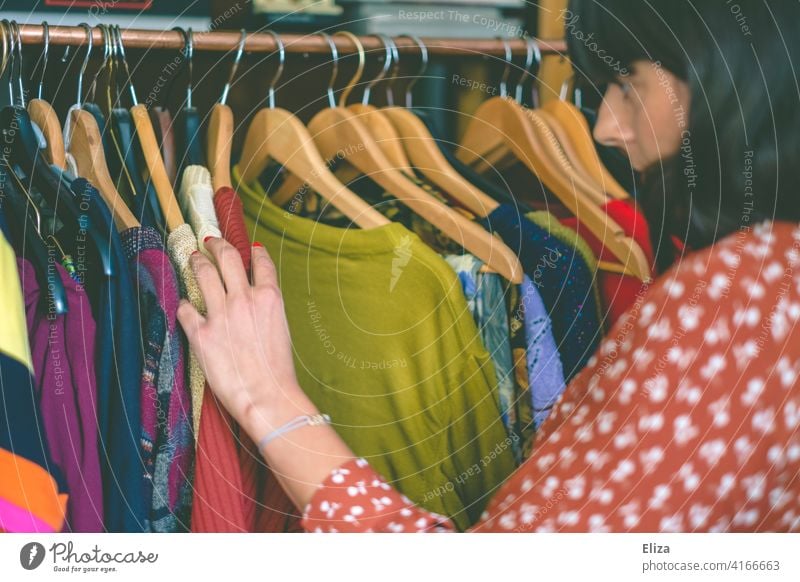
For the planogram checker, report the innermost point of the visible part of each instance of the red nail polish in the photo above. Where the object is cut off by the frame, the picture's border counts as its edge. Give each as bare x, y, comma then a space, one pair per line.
205, 240
257, 244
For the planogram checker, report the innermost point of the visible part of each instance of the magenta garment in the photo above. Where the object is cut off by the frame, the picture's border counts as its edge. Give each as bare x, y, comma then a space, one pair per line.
63, 347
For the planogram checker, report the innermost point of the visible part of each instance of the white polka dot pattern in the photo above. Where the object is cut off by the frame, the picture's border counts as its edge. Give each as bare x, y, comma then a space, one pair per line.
687, 418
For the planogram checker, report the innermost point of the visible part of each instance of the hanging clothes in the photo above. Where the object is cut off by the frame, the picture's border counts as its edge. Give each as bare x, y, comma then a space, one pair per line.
167, 443
487, 305
196, 197
618, 292
230, 217
420, 403
33, 495
181, 243
564, 283
118, 369
62, 347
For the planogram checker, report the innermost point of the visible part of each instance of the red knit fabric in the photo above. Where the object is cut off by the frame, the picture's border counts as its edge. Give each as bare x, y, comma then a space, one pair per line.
231, 222
617, 292
219, 502
234, 489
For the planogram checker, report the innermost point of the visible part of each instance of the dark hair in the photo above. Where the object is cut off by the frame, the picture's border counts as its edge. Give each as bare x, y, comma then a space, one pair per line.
740, 157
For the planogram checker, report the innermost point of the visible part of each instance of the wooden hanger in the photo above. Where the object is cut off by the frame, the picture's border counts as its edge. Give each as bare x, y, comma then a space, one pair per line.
86, 147
501, 120
220, 129
337, 129
150, 150
577, 129
43, 115
276, 134
425, 154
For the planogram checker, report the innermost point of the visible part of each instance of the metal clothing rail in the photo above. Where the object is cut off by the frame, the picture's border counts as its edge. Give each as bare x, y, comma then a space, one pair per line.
224, 41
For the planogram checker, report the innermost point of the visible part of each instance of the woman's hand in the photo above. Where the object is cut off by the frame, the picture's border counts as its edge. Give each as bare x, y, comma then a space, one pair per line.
243, 343
245, 351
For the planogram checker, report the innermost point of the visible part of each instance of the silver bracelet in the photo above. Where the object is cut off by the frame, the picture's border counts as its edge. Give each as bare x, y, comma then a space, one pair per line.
305, 420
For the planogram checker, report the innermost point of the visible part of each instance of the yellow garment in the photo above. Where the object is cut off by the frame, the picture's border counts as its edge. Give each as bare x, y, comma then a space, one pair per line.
181, 243
14, 329
385, 344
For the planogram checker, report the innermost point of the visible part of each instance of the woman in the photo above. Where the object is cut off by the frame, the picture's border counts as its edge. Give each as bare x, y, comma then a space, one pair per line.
687, 417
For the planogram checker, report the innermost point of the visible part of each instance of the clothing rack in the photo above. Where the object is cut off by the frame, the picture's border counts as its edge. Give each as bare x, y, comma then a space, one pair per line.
224, 41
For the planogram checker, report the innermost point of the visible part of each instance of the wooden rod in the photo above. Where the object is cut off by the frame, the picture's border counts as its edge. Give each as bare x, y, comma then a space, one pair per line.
224, 41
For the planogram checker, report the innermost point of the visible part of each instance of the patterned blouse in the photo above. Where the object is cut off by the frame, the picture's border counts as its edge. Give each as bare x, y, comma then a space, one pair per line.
686, 419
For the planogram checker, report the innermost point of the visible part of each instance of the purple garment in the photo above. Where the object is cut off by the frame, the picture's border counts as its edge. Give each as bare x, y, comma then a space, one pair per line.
545, 372
63, 347
167, 440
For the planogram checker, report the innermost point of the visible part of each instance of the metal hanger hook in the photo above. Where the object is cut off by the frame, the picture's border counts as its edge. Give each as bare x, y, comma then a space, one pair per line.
393, 73
281, 63
119, 46
335, 67
88, 30
423, 52
42, 59
387, 63
533, 72
239, 52
8, 56
188, 55
509, 59
20, 71
359, 71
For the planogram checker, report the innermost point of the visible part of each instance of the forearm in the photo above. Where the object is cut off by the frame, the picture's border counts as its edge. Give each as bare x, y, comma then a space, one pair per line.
303, 458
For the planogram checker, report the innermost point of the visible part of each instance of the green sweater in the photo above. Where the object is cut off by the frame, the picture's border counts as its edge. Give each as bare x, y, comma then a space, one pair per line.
385, 344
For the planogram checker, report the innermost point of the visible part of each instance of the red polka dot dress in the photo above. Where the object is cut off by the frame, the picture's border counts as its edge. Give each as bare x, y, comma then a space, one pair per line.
686, 419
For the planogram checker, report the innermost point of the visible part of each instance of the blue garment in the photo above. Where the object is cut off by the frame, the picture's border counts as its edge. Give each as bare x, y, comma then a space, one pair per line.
545, 373
118, 370
563, 281
486, 302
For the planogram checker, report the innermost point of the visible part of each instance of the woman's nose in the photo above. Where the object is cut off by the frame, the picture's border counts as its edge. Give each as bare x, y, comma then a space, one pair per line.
613, 127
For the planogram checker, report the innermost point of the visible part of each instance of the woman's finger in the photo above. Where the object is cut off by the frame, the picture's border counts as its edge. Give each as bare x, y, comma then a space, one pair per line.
190, 320
208, 280
229, 263
264, 272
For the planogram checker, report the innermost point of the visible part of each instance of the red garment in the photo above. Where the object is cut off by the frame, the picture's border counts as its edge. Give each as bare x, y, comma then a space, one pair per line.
234, 489
686, 420
230, 216
617, 292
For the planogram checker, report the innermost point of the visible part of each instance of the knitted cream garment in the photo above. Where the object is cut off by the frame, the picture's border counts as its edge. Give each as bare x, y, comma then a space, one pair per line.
196, 197
181, 243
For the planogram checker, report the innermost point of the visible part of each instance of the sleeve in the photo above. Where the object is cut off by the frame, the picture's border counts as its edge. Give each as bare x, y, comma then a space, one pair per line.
356, 499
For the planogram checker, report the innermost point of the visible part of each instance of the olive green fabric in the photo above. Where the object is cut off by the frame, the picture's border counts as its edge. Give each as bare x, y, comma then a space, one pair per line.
570, 237
385, 344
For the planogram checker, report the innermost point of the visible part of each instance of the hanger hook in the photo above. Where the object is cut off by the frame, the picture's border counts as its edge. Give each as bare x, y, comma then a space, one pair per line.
20, 70
533, 71
393, 74
88, 30
387, 63
188, 55
4, 40
106, 58
43, 59
8, 56
423, 53
525, 71
239, 51
117, 36
335, 65
509, 59
281, 62
359, 71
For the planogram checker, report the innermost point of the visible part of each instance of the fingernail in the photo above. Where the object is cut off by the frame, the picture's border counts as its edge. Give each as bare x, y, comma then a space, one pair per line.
194, 253
257, 244
205, 240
